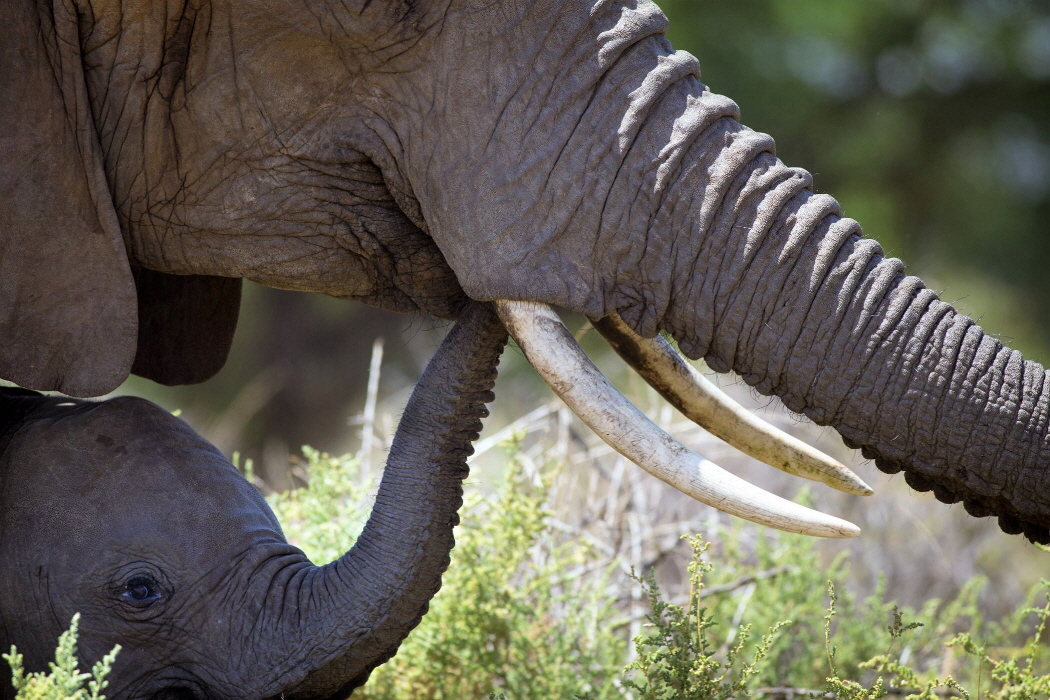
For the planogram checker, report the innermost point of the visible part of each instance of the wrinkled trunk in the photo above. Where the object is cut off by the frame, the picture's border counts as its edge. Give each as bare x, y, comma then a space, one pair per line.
771, 282
338, 622
612, 180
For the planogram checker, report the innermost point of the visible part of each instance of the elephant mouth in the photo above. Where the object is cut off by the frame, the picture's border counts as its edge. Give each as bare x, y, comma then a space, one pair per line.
178, 693
172, 684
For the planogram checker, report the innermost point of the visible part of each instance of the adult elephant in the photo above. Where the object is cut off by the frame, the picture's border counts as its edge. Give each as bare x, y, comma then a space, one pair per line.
415, 154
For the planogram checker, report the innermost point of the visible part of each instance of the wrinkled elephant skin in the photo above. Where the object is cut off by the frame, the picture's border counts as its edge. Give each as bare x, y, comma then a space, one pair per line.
416, 154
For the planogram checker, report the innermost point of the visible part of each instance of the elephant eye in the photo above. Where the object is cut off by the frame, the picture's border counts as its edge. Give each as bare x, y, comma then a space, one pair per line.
141, 590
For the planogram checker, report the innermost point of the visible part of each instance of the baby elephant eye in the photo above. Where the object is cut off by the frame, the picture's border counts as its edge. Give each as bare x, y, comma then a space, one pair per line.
141, 590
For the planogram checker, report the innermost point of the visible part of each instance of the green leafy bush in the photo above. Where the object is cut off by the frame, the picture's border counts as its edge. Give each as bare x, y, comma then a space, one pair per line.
508, 619
531, 610
65, 681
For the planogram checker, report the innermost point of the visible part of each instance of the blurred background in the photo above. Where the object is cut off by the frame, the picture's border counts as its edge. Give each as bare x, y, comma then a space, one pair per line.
929, 121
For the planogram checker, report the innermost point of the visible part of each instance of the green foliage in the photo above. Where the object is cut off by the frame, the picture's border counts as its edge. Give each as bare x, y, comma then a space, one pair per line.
324, 519
1013, 677
509, 621
517, 617
508, 618
679, 660
65, 681
512, 620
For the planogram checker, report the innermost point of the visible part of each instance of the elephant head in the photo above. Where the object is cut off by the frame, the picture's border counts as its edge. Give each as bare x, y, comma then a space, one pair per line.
119, 511
414, 154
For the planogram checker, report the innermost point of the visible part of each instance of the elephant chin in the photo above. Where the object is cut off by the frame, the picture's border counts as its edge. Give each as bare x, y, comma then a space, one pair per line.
351, 615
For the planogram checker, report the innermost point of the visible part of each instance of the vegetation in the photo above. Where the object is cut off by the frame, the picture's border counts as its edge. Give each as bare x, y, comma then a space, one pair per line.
531, 610
65, 681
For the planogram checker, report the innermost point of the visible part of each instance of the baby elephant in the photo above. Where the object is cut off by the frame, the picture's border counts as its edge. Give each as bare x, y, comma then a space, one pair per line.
119, 511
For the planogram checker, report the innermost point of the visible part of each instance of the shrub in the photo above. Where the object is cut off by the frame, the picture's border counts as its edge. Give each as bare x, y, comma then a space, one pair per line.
531, 610
508, 619
65, 681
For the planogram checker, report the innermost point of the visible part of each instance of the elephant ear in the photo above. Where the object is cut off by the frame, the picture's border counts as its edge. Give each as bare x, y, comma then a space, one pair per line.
67, 298
186, 325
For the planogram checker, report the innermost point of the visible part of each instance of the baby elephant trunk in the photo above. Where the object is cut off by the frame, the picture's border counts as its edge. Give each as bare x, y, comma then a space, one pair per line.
346, 618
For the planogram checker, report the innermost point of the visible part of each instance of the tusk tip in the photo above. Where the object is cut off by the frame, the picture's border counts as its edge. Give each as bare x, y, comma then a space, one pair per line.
848, 530
854, 486
821, 525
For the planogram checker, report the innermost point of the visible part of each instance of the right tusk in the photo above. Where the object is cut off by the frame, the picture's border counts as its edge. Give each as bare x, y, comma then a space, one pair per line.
552, 350
709, 407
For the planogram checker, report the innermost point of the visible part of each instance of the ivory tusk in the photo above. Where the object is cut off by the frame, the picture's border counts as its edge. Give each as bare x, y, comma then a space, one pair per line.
552, 350
709, 407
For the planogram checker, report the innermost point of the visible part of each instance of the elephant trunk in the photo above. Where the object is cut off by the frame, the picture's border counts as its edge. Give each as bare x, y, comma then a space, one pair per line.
338, 622
771, 282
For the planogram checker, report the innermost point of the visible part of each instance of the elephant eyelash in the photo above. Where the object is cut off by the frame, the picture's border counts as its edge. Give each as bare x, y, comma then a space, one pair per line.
141, 590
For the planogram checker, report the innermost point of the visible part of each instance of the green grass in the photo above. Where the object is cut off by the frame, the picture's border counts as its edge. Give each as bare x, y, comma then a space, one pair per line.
528, 610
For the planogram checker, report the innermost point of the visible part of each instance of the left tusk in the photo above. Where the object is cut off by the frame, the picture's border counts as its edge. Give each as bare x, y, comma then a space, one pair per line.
552, 350
709, 407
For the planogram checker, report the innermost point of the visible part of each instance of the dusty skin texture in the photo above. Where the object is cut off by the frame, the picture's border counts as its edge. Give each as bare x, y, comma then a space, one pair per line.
121, 512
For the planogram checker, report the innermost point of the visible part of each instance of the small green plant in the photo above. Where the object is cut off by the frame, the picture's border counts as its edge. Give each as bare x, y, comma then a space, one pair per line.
901, 676
679, 659
65, 680
1013, 677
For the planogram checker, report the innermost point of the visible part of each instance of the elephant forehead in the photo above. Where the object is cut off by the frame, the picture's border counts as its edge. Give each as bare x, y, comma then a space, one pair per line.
125, 476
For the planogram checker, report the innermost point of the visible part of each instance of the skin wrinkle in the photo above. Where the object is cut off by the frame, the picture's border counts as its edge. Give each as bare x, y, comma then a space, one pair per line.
686, 66
856, 272
859, 354
967, 353
722, 288
1002, 359
654, 298
707, 248
987, 353
713, 214
1011, 380
591, 90
543, 122
764, 224
948, 356
805, 335
923, 355
687, 129
901, 326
